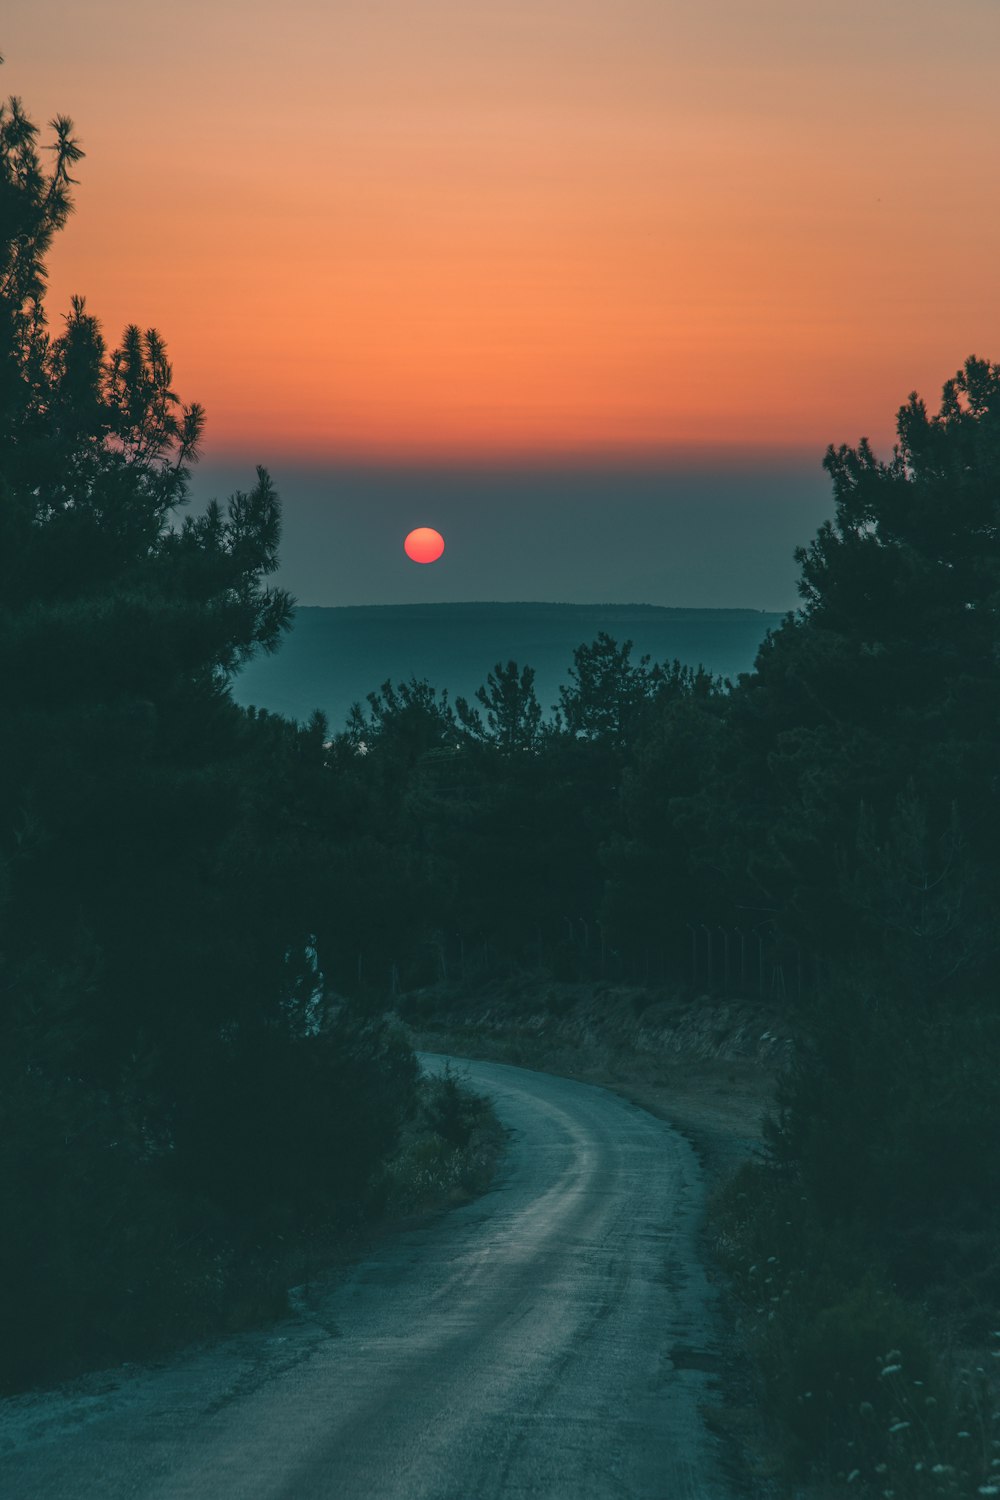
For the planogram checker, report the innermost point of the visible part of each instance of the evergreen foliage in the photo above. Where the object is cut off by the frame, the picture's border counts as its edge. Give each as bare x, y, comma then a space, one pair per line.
607, 693
177, 1093
513, 713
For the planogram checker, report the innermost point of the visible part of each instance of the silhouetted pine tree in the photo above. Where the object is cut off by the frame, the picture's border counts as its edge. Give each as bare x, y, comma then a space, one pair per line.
513, 720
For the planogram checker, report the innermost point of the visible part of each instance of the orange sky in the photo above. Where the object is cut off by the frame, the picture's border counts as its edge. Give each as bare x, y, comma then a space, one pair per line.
406, 229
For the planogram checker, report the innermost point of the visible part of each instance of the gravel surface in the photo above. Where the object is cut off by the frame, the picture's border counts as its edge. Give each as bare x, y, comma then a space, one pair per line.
552, 1339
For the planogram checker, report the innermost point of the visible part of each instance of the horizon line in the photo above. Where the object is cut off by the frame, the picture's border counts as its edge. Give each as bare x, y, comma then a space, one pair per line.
748, 609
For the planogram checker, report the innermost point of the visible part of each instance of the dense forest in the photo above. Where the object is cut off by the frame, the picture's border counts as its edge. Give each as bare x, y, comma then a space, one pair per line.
207, 911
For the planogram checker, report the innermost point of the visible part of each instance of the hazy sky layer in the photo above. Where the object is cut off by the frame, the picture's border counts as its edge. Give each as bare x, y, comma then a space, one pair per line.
690, 538
445, 230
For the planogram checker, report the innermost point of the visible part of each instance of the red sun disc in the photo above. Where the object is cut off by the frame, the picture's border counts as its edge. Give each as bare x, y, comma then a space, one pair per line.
424, 545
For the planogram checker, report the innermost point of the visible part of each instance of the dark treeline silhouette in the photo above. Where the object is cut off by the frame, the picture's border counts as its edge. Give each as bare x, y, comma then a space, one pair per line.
178, 1095
859, 762
510, 828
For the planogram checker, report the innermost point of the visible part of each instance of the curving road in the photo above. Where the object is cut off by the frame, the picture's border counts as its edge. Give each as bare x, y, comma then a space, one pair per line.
551, 1339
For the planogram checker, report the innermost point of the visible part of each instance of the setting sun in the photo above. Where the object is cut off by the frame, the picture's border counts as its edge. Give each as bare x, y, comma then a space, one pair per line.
424, 545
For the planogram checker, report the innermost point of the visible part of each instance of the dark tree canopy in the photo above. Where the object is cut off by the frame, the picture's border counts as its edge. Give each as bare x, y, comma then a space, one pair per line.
513, 713
174, 1097
607, 692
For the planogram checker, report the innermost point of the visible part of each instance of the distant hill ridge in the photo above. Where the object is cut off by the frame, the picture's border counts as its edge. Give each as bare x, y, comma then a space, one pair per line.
335, 655
487, 606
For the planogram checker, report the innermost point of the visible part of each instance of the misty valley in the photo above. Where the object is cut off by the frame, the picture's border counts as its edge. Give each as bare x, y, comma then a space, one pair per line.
333, 658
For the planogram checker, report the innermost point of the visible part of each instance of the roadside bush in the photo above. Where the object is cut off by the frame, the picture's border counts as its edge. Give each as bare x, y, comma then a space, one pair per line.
451, 1111
890, 1125
286, 1133
448, 1152
120, 1245
915, 1090
851, 1374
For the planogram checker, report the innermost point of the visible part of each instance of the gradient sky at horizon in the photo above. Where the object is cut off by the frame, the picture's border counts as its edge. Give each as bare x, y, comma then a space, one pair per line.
436, 234
446, 228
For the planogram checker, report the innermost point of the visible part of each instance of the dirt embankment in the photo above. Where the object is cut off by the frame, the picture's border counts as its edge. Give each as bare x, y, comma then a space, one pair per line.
707, 1065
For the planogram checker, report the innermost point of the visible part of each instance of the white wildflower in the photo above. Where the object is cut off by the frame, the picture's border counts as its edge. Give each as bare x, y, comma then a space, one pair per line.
899, 1426
853, 1475
890, 1370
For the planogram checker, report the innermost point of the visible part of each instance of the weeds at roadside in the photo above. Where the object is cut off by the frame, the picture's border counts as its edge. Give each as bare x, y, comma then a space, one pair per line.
448, 1153
850, 1373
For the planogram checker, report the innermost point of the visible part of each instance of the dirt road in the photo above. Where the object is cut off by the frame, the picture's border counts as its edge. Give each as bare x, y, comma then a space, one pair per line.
552, 1339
